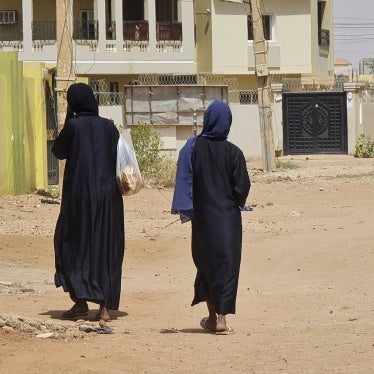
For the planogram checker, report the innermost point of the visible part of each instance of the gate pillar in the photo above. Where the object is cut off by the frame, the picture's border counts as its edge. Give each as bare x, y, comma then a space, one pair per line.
354, 113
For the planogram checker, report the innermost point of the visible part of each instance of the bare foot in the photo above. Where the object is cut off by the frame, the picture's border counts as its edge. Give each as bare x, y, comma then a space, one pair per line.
103, 314
221, 323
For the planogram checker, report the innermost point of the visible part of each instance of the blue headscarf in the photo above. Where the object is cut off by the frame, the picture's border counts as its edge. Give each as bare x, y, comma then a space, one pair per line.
216, 126
217, 121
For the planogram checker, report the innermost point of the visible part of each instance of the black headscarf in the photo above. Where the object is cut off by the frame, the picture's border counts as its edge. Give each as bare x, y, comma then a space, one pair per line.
80, 98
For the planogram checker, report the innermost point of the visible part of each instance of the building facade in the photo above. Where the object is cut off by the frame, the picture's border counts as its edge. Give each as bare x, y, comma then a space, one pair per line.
117, 44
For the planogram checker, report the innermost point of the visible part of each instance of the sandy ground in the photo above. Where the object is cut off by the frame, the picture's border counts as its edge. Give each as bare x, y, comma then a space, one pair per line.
305, 300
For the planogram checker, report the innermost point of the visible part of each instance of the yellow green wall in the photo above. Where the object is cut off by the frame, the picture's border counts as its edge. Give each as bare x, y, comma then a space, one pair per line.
22, 126
35, 119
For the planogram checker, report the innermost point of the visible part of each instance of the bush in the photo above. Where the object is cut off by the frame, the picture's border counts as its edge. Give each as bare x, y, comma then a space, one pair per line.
166, 173
286, 165
155, 169
364, 147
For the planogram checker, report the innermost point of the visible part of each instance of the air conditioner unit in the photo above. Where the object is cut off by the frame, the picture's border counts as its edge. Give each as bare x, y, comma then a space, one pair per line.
8, 17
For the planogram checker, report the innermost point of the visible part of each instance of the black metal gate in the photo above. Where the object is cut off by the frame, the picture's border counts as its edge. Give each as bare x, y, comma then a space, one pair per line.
52, 161
314, 123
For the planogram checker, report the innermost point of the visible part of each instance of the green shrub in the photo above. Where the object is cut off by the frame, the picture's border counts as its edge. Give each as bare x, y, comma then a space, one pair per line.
364, 147
286, 165
156, 169
166, 173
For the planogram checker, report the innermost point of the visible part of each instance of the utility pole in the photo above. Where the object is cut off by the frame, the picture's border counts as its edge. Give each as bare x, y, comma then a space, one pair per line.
263, 89
65, 74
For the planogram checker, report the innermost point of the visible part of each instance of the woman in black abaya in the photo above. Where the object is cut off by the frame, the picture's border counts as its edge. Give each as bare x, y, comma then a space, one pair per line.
89, 235
212, 184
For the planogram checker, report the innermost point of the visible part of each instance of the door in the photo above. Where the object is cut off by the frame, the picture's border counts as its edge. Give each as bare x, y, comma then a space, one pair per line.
88, 24
51, 116
314, 123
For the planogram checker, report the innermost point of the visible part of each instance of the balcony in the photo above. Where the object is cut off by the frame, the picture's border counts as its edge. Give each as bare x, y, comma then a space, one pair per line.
11, 32
85, 30
169, 31
44, 31
134, 31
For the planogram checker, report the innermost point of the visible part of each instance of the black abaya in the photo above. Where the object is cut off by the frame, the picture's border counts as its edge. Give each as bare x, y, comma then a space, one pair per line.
220, 186
89, 235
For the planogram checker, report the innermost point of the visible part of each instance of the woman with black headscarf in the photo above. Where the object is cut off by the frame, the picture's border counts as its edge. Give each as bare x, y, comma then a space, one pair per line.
212, 183
89, 235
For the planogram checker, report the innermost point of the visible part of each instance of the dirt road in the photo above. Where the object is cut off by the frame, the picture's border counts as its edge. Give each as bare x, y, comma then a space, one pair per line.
305, 300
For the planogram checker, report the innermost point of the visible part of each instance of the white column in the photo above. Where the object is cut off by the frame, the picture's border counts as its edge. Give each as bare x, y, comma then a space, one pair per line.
151, 13
27, 17
117, 15
99, 14
354, 107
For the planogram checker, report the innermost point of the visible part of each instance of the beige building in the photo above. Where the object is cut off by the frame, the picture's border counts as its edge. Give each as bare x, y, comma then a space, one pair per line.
116, 40
298, 33
204, 47
343, 68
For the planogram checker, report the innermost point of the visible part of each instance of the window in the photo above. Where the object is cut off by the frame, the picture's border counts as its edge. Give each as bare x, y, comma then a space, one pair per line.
167, 10
266, 21
8, 16
88, 24
168, 27
133, 10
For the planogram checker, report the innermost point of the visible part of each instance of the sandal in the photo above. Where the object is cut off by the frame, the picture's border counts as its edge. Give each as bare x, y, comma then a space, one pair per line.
74, 313
204, 326
229, 331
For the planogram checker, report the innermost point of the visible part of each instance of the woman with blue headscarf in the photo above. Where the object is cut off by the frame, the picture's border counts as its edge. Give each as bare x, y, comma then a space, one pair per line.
212, 183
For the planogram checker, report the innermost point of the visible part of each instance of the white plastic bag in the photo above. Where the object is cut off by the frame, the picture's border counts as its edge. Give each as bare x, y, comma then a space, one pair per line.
129, 179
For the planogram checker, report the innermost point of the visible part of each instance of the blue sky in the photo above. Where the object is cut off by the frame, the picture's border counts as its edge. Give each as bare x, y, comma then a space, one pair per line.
354, 29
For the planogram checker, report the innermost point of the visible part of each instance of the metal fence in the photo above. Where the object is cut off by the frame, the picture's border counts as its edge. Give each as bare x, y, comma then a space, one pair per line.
109, 98
235, 95
12, 32
328, 84
44, 30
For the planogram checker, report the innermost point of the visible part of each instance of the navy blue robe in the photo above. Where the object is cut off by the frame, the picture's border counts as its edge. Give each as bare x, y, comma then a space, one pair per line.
220, 187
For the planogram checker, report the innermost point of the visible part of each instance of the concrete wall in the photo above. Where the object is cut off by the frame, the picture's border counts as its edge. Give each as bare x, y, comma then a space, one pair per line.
35, 125
13, 169
114, 113
322, 57
22, 126
293, 49
367, 120
44, 10
245, 129
12, 5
